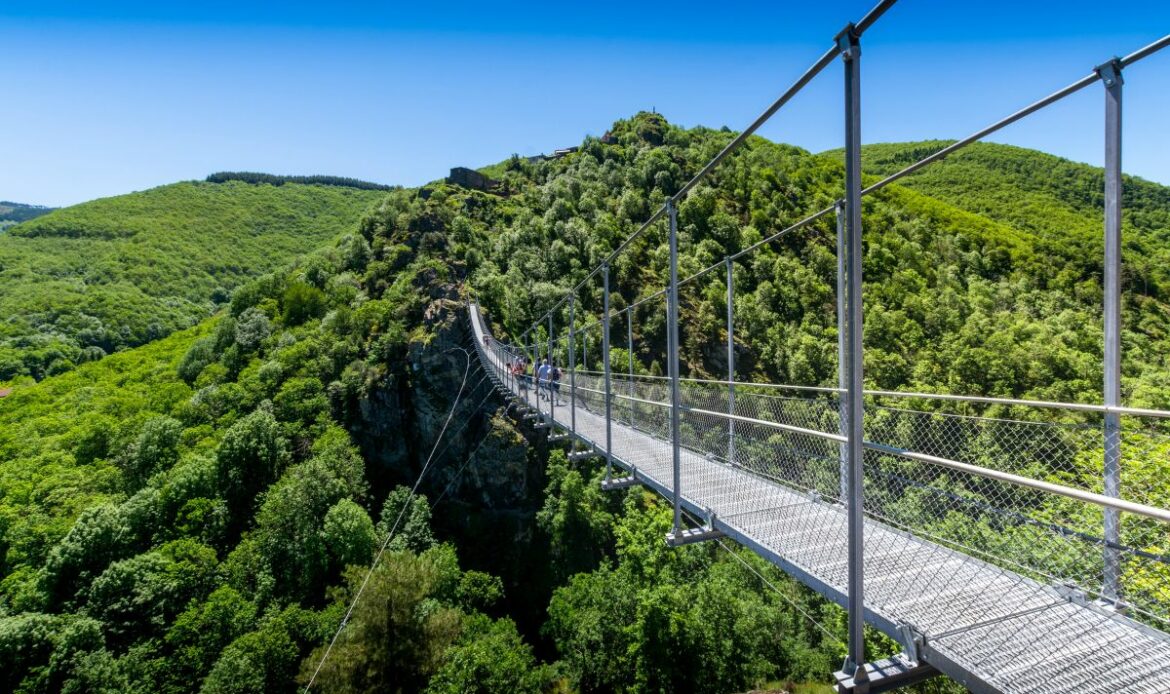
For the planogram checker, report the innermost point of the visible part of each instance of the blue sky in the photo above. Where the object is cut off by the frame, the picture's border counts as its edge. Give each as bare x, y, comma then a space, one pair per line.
105, 98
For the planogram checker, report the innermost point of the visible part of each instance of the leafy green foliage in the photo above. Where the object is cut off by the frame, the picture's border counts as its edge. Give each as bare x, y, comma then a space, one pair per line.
200, 634
263, 660
1055, 206
271, 179
409, 517
45, 648
958, 299
157, 448
249, 458
622, 628
63, 444
89, 280
302, 302
489, 657
197, 513
349, 533
576, 518
394, 643
143, 594
12, 213
197, 500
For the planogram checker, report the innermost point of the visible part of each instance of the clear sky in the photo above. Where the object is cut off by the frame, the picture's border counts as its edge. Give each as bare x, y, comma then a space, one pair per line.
102, 98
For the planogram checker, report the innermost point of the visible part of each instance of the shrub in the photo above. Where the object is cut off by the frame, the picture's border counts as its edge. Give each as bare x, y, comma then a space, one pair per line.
301, 302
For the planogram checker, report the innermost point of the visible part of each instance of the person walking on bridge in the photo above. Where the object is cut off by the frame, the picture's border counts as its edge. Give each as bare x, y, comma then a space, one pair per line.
518, 373
544, 379
555, 385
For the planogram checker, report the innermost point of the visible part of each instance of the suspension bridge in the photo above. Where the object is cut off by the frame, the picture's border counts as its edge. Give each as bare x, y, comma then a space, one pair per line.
1012, 545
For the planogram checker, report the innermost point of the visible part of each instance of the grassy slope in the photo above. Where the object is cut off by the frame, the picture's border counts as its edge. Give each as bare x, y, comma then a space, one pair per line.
122, 271
13, 213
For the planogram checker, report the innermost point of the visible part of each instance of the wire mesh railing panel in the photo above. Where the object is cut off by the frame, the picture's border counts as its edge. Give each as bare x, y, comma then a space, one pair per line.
1063, 447
947, 548
1048, 537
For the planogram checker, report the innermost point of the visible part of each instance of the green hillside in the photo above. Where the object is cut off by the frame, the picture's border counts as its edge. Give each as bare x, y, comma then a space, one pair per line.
195, 514
12, 213
94, 278
1057, 200
957, 300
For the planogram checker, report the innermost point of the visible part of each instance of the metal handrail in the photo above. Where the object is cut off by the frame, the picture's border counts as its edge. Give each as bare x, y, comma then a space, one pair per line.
1159, 514
1016, 402
1101, 500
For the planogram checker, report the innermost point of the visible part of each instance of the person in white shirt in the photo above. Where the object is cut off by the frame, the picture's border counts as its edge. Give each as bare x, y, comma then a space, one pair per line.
544, 378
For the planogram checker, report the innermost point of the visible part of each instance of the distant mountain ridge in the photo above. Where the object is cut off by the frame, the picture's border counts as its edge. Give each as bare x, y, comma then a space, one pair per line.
12, 213
279, 180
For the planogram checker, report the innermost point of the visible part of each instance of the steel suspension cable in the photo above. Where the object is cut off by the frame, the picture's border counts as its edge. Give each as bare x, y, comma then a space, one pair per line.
397, 521
865, 23
459, 472
763, 579
801, 82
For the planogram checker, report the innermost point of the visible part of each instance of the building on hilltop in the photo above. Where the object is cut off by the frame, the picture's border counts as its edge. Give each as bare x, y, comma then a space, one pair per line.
557, 154
470, 178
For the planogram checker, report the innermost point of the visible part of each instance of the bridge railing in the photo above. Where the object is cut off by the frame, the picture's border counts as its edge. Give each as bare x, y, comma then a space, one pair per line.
783, 434
1059, 476
1044, 535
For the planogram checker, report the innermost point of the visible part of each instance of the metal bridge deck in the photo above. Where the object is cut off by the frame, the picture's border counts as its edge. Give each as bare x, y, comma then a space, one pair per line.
983, 625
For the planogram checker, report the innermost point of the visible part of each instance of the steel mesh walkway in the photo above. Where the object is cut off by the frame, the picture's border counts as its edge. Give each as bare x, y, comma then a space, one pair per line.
986, 626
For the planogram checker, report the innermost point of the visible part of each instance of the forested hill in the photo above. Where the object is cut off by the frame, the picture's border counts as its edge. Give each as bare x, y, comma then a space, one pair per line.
1057, 200
94, 278
196, 514
977, 279
14, 212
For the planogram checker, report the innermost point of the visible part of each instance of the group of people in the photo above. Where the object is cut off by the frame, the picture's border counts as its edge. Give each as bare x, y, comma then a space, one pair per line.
547, 377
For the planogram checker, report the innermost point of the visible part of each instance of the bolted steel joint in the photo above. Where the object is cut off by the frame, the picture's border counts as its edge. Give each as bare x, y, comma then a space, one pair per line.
1110, 72
848, 42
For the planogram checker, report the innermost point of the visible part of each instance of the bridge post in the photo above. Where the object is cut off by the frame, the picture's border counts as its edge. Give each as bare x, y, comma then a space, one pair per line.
842, 352
630, 347
605, 368
552, 397
850, 45
1111, 77
572, 365
524, 352
672, 349
533, 393
534, 351
730, 362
